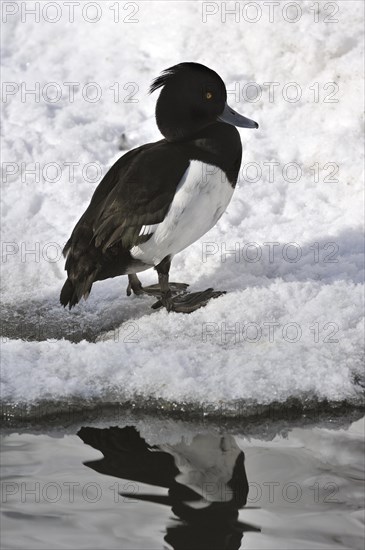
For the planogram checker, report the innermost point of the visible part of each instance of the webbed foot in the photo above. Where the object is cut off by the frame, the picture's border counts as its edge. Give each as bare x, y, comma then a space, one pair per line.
188, 302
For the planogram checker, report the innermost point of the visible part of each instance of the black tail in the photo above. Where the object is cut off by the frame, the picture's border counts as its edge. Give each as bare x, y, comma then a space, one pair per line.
66, 293
82, 269
78, 285
69, 295
86, 264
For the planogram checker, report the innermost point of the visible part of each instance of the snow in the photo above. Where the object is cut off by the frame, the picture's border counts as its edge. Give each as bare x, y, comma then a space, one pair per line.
294, 305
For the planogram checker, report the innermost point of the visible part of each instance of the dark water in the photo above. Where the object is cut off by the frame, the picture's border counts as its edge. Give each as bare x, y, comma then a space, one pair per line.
154, 483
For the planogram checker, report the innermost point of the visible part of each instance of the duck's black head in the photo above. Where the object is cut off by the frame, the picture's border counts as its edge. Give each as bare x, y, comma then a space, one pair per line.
192, 97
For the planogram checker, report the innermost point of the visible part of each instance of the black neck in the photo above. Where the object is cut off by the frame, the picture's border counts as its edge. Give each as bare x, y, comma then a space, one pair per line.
220, 145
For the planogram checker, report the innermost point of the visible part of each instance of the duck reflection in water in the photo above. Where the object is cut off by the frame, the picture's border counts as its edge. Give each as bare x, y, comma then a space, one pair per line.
206, 482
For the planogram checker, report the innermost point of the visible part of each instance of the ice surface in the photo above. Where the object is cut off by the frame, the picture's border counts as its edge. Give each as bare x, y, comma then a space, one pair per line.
295, 326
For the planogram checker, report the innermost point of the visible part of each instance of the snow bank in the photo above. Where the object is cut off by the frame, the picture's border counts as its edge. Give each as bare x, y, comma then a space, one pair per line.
290, 325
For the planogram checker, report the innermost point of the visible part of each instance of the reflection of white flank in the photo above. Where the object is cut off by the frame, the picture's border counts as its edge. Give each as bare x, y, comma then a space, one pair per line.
206, 465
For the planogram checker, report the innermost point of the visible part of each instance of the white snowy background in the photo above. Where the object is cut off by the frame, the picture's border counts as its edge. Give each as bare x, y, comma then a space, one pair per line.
315, 348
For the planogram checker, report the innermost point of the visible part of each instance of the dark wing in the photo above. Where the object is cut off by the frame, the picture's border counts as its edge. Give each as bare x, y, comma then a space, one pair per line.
137, 191
141, 197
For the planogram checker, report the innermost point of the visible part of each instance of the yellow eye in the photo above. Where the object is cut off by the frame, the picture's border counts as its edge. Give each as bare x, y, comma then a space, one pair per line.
208, 95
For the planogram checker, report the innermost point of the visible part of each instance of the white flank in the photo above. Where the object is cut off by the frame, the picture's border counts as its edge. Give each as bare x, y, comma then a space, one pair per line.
200, 200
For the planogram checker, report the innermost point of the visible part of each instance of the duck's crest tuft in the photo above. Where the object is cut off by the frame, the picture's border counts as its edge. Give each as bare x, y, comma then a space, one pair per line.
169, 73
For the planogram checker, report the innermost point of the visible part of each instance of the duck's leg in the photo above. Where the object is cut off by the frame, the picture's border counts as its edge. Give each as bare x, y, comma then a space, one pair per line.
135, 286
185, 303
